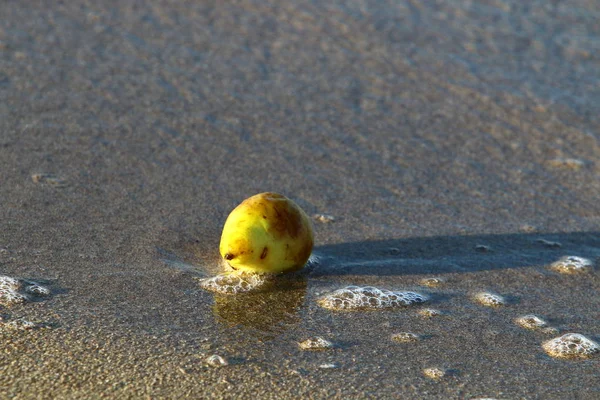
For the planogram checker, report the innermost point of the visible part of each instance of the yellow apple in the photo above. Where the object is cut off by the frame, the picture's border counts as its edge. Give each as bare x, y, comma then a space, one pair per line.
267, 233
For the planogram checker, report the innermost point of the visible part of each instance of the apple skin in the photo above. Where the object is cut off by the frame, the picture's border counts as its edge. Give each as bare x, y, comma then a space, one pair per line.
267, 233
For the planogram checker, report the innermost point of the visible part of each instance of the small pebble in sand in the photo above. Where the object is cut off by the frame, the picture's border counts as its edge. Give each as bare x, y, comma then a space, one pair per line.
434, 373
489, 299
328, 366
216, 360
528, 228
571, 345
572, 265
368, 298
393, 251
567, 163
482, 248
48, 179
405, 337
324, 218
316, 343
429, 312
432, 282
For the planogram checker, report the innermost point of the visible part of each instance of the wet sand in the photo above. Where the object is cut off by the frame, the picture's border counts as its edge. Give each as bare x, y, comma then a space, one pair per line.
457, 140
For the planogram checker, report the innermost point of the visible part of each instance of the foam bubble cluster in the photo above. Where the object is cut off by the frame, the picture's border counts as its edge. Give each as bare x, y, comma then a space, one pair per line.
531, 322
13, 290
21, 325
571, 345
236, 282
434, 373
405, 337
369, 298
572, 265
489, 299
316, 343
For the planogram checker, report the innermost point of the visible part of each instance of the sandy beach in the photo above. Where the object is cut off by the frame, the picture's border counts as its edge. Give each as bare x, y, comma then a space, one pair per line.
455, 140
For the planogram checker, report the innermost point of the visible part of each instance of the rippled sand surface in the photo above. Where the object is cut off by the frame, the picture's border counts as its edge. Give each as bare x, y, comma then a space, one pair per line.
456, 140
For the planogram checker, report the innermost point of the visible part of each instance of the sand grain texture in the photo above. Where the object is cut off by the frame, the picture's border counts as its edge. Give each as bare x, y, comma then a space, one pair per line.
427, 129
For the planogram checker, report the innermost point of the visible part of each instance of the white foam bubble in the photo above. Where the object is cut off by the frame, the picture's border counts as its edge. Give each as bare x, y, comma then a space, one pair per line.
550, 330
368, 298
13, 290
20, 325
316, 343
528, 228
572, 265
36, 289
328, 366
531, 322
405, 337
489, 299
571, 345
313, 261
216, 360
236, 282
483, 248
547, 243
434, 373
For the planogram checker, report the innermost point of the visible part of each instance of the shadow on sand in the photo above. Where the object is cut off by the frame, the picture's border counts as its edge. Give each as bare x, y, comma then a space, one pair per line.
441, 254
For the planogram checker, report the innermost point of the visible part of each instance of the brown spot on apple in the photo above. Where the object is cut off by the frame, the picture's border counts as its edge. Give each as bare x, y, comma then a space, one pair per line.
264, 253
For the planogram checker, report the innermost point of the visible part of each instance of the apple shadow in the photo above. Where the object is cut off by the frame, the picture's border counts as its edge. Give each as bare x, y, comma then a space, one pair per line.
444, 254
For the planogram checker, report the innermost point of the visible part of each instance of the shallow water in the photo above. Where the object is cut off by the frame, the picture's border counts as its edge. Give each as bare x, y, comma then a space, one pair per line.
452, 139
